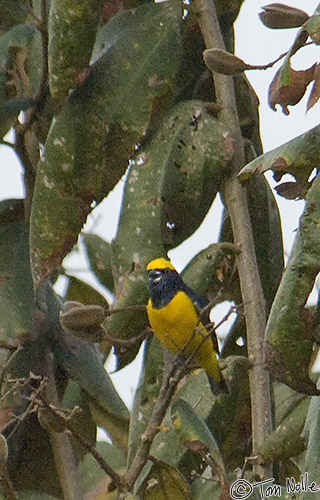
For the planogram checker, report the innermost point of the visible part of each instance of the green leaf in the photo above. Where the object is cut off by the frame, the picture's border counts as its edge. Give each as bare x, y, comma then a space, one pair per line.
19, 36
164, 482
312, 26
289, 342
115, 427
311, 435
169, 189
195, 390
230, 418
17, 308
90, 471
26, 39
191, 428
72, 31
89, 144
202, 489
80, 291
146, 393
267, 234
35, 495
297, 157
287, 469
31, 460
99, 256
207, 272
12, 13
285, 401
286, 441
192, 65
83, 363
82, 422
167, 445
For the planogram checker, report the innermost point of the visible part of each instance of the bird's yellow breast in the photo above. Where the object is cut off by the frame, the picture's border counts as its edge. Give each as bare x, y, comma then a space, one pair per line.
175, 323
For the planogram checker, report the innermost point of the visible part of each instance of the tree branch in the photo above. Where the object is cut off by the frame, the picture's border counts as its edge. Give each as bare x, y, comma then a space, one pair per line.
236, 202
169, 385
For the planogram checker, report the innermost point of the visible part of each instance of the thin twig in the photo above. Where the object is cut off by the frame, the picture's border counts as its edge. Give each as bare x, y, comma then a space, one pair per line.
67, 424
64, 458
272, 63
236, 202
6, 365
26, 385
22, 129
124, 342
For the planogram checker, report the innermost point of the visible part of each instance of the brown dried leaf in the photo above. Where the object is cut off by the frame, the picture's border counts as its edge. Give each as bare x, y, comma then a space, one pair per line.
315, 91
223, 62
280, 16
292, 190
289, 95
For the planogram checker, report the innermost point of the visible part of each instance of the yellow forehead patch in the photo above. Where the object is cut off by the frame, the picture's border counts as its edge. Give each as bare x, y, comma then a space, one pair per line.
160, 263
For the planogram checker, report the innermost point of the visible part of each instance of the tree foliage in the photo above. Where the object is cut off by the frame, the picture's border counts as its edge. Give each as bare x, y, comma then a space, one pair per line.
94, 90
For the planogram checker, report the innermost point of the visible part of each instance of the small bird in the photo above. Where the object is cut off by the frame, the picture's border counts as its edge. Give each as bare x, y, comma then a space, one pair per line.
174, 318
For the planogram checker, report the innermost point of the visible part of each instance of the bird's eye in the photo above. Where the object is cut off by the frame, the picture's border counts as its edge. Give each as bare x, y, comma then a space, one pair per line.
155, 275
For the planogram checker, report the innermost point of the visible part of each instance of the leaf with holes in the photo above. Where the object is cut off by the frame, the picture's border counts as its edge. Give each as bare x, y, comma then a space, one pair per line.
72, 30
297, 157
91, 140
169, 189
289, 333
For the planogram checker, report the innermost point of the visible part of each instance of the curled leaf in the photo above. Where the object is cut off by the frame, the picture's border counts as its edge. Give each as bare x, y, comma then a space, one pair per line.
83, 321
315, 91
280, 16
223, 62
292, 190
289, 86
193, 431
297, 157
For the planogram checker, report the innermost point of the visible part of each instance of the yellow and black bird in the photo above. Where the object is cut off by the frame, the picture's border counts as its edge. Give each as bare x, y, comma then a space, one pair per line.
174, 318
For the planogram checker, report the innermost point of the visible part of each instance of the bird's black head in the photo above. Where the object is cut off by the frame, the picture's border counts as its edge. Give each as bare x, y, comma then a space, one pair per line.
163, 283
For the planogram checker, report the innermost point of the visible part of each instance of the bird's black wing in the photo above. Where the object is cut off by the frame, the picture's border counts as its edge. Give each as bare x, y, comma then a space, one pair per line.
200, 303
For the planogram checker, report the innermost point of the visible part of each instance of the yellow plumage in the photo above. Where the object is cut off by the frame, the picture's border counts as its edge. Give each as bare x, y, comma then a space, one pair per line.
174, 318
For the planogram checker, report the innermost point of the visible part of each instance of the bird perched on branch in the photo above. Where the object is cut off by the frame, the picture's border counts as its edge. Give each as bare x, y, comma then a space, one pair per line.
174, 317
